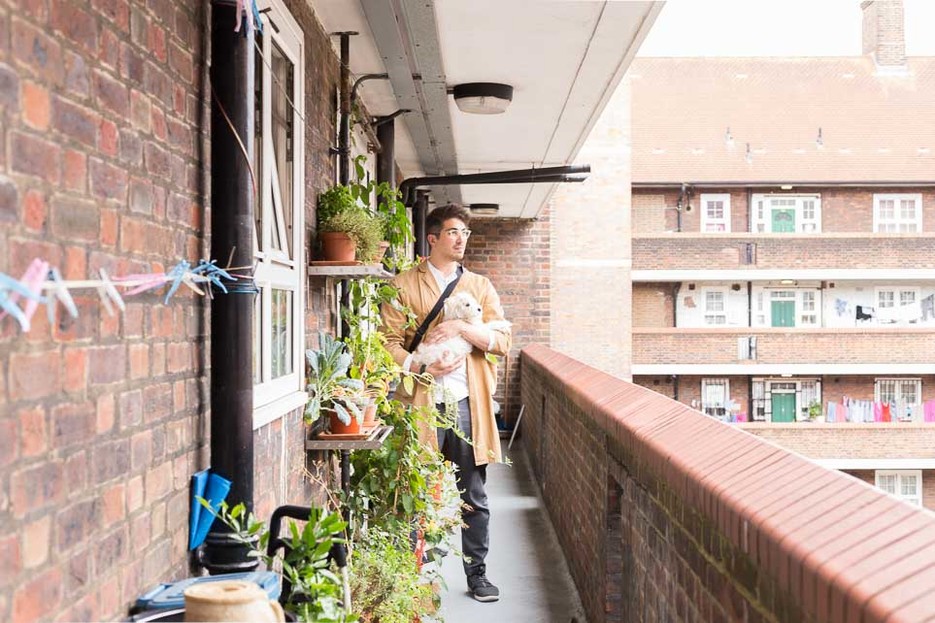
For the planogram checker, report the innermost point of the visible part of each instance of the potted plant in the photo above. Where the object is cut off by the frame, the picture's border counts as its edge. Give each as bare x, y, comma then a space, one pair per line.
394, 218
346, 228
332, 391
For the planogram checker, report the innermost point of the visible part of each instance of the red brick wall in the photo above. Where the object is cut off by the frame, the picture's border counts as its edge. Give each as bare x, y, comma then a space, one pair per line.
653, 305
711, 346
103, 420
666, 515
903, 440
515, 255
695, 251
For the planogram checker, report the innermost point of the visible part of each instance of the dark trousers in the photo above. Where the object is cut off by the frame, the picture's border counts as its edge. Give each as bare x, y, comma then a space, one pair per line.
471, 480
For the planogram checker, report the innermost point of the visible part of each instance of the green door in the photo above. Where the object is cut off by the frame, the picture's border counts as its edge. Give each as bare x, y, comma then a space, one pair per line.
783, 313
783, 221
783, 407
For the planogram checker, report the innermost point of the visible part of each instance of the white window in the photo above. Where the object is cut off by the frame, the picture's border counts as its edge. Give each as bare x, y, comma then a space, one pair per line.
715, 213
897, 213
808, 309
903, 395
279, 334
715, 397
786, 214
715, 306
897, 305
906, 484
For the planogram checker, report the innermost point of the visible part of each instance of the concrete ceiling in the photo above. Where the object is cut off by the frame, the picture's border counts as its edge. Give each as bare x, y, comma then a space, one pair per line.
564, 59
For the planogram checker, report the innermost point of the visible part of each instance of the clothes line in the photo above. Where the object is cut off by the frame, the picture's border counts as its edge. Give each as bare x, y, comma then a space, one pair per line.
43, 284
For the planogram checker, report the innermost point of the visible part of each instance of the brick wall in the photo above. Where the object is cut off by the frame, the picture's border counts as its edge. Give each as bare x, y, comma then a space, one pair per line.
103, 126
516, 256
667, 515
903, 440
590, 306
835, 346
694, 251
882, 33
653, 305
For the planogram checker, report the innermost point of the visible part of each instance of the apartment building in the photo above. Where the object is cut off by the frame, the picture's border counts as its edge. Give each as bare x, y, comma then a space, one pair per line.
783, 215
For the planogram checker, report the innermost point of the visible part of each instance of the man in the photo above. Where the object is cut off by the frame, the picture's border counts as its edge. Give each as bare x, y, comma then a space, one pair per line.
469, 381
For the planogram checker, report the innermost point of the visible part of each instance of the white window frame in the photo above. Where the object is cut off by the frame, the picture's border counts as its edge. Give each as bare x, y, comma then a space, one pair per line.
705, 405
706, 312
915, 407
273, 398
899, 224
707, 221
899, 474
762, 218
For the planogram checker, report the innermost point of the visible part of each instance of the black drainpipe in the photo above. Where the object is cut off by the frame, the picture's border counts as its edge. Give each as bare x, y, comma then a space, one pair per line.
386, 159
344, 133
232, 222
419, 211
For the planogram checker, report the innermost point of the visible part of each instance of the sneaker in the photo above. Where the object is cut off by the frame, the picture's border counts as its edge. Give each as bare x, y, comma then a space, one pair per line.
481, 589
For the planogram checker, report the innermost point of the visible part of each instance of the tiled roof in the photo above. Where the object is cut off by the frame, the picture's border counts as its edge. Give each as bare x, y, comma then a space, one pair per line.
874, 127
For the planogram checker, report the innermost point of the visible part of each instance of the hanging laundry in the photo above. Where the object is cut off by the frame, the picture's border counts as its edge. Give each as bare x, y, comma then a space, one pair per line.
927, 307
864, 312
840, 306
886, 415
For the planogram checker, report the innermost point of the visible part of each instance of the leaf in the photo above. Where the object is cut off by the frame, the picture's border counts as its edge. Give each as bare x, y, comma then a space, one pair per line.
408, 384
342, 414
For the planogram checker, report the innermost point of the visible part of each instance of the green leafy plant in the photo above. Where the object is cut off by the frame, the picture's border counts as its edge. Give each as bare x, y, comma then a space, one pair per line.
316, 590
385, 584
814, 410
361, 226
328, 383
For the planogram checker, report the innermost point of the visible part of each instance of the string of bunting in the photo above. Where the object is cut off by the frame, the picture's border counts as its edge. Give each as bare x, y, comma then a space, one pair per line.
42, 284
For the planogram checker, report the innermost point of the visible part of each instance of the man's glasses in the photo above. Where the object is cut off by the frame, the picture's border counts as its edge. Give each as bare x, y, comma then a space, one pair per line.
454, 232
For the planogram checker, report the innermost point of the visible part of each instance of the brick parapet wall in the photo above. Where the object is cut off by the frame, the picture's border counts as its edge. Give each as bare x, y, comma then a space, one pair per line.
837, 346
899, 440
515, 255
694, 251
104, 163
695, 520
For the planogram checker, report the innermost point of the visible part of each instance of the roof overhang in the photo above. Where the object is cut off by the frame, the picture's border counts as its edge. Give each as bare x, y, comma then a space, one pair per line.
564, 59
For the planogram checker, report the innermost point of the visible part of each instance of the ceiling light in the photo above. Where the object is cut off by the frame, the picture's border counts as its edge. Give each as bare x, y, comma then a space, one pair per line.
483, 98
787, 282
484, 208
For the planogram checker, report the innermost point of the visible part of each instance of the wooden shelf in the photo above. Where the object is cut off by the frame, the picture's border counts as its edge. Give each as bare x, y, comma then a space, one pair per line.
350, 272
372, 442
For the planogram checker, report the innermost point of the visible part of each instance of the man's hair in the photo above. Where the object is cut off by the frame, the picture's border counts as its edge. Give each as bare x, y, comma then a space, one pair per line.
435, 218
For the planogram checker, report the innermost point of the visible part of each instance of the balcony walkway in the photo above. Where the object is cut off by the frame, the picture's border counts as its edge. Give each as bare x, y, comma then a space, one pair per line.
525, 561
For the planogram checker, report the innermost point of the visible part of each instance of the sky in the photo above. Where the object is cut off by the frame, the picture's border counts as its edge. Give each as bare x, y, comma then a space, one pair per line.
776, 28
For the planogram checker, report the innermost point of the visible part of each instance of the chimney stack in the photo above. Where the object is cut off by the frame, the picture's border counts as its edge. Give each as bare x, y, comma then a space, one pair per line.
884, 32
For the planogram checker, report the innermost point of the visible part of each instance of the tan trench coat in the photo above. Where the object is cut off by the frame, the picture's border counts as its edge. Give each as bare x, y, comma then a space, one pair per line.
419, 292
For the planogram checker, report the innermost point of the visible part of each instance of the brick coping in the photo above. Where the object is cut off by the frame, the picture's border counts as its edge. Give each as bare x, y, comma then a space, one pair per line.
842, 549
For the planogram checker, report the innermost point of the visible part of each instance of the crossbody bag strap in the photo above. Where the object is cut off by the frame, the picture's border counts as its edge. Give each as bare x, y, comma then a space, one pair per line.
420, 332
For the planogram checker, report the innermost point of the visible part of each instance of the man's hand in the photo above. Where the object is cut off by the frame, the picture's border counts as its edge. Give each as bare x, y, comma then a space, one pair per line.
445, 331
444, 366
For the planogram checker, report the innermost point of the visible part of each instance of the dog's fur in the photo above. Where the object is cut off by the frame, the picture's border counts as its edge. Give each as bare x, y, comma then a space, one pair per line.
459, 306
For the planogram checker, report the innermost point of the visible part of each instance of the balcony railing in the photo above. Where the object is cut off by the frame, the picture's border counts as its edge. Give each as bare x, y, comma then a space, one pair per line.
868, 346
691, 251
666, 514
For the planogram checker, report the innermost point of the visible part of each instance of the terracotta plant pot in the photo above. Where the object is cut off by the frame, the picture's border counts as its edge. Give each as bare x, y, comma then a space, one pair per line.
378, 256
370, 415
337, 246
339, 428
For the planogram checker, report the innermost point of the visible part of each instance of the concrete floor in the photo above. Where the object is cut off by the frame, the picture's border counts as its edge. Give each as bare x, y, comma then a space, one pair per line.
525, 561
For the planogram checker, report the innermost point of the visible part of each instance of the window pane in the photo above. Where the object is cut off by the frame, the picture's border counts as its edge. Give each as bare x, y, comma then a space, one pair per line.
886, 298
908, 485
258, 337
714, 301
281, 340
887, 209
888, 483
907, 209
282, 120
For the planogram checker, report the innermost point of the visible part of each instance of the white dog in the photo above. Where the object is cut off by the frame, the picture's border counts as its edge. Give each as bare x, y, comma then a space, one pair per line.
460, 306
